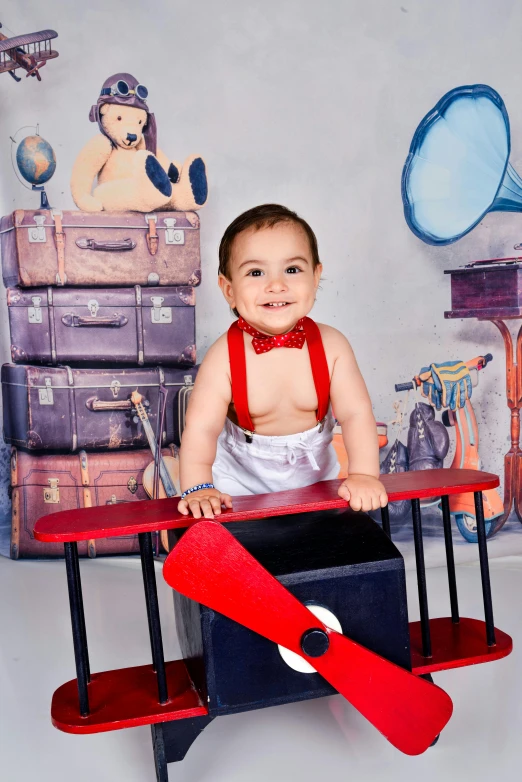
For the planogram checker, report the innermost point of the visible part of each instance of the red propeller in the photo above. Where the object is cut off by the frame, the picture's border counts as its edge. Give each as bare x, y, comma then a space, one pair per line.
210, 566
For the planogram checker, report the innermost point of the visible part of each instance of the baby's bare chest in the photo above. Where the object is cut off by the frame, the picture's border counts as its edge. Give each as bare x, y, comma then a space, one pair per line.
280, 381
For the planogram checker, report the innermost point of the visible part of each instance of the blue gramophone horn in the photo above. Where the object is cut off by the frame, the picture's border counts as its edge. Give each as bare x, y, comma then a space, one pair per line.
457, 169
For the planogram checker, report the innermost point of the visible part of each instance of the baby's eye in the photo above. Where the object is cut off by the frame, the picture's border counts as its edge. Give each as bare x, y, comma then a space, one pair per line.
293, 269
254, 273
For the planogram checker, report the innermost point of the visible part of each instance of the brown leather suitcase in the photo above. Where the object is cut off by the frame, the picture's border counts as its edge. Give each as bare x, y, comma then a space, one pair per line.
49, 247
65, 409
46, 484
116, 325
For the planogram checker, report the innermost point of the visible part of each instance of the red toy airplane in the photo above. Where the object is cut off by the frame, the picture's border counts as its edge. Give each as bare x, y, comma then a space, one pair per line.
29, 52
228, 593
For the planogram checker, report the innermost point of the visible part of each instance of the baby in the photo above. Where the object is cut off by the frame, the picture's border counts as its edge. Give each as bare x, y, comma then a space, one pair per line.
261, 414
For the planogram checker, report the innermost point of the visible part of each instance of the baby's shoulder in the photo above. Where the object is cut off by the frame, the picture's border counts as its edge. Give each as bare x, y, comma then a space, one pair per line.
334, 340
217, 354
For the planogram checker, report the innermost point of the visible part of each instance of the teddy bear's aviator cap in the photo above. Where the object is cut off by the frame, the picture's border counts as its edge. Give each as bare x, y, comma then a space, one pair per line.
149, 134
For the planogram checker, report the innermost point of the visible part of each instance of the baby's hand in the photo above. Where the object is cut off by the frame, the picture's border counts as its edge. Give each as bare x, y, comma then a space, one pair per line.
363, 492
205, 502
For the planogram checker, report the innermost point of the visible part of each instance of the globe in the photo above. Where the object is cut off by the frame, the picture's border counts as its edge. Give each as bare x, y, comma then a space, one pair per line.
36, 160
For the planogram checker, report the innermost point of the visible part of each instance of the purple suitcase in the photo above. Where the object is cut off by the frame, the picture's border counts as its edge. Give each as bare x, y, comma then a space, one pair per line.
50, 247
59, 408
103, 325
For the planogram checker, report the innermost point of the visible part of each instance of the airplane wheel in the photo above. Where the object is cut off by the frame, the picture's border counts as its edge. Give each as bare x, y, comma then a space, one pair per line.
467, 527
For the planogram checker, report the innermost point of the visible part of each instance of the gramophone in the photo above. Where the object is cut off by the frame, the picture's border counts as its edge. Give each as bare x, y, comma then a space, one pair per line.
458, 169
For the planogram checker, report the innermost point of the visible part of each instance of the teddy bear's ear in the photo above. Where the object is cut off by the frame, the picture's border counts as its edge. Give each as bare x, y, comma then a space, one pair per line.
93, 114
150, 133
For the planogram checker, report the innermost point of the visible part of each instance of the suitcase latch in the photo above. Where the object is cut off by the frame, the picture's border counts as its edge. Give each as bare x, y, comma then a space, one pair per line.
188, 379
93, 307
35, 313
45, 395
115, 388
52, 494
38, 234
173, 235
160, 314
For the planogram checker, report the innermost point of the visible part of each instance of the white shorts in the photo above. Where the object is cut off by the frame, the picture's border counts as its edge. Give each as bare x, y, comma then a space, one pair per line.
273, 463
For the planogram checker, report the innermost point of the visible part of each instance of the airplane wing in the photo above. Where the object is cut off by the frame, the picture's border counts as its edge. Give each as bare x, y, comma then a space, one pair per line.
20, 41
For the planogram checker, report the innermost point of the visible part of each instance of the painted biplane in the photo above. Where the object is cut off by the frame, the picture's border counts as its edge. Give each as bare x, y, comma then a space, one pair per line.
29, 52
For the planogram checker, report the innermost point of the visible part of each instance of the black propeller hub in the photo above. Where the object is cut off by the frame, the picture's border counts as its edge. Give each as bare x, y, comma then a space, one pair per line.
315, 642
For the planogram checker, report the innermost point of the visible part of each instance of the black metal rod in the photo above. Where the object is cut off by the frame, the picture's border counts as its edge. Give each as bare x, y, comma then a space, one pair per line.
450, 560
80, 652
151, 597
82, 616
385, 518
484, 569
421, 578
147, 601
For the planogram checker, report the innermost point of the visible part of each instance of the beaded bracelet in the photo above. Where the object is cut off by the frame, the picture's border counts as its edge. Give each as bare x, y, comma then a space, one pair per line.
197, 488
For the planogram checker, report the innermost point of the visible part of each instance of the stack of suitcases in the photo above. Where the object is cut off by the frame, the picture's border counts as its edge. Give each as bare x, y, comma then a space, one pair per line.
100, 305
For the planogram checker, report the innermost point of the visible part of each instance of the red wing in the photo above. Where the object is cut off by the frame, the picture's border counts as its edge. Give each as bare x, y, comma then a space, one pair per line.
210, 566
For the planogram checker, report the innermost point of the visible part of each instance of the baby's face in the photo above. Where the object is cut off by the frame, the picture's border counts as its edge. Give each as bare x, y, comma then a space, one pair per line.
273, 282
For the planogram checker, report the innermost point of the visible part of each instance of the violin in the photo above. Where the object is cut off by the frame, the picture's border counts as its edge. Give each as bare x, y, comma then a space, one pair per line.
169, 485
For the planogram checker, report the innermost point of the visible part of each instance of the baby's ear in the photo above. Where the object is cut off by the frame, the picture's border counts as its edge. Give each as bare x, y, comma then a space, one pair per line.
226, 289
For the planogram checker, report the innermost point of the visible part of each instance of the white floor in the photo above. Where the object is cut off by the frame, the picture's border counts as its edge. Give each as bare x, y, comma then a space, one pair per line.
302, 742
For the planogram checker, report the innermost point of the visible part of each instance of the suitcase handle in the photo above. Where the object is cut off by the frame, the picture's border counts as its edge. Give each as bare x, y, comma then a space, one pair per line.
78, 320
97, 404
113, 247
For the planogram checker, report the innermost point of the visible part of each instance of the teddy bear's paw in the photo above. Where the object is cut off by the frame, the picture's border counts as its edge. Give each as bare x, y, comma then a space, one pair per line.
198, 180
158, 176
173, 173
88, 204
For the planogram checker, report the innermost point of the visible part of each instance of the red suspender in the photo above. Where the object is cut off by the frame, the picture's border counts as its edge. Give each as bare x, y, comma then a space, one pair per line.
319, 366
237, 356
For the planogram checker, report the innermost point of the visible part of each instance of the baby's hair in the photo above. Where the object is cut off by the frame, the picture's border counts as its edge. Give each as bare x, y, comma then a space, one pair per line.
264, 216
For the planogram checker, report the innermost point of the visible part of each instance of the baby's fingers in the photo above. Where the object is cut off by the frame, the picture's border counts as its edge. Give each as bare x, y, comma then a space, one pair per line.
195, 508
216, 504
383, 499
226, 500
183, 507
344, 492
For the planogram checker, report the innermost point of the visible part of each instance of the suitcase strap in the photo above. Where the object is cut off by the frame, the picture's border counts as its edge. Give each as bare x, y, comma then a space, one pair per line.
59, 236
152, 234
87, 498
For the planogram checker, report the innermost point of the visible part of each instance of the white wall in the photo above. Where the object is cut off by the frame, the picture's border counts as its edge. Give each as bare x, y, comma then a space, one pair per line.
312, 105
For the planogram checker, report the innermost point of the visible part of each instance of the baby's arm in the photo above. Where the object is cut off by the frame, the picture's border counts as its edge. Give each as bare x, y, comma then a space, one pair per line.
353, 409
206, 415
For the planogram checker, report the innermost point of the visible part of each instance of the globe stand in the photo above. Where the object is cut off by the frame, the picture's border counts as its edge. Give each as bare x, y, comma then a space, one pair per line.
44, 203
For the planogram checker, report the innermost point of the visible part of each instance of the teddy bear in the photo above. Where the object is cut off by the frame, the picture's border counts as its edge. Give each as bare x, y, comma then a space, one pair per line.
132, 173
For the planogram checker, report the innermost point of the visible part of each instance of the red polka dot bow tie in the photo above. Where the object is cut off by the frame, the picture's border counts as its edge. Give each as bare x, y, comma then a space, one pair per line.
262, 343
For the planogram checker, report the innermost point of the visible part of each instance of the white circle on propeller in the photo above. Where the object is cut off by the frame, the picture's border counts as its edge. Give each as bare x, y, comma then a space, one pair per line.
294, 660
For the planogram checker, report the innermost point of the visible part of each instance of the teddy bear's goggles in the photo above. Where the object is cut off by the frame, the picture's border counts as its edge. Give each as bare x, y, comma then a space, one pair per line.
122, 89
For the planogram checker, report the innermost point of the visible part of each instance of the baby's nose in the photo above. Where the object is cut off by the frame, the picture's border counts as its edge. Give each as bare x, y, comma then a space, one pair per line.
131, 137
277, 282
